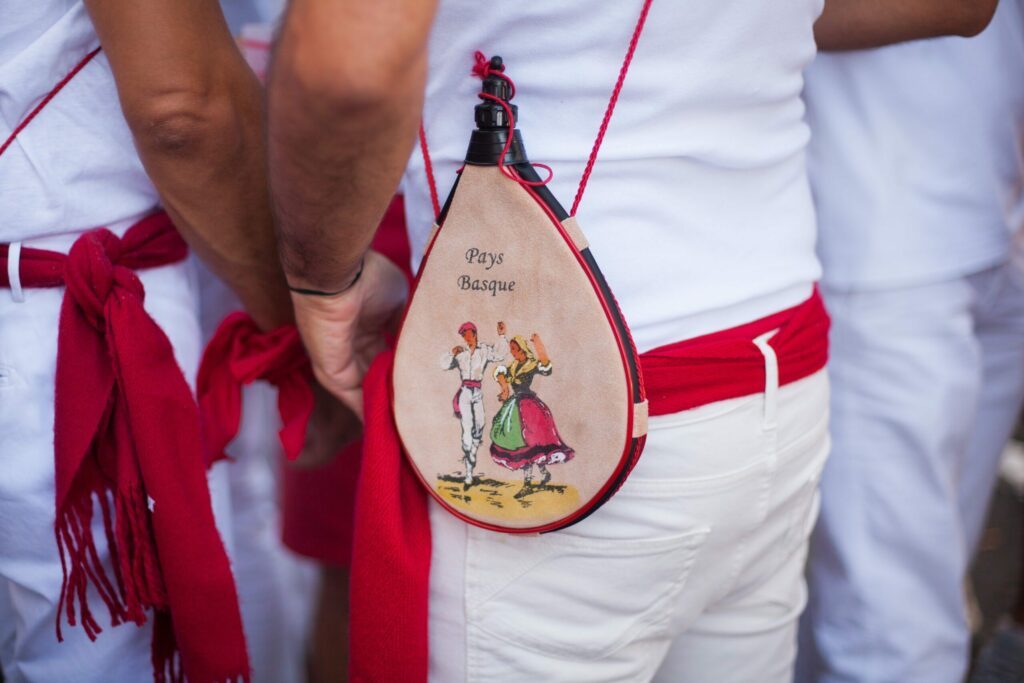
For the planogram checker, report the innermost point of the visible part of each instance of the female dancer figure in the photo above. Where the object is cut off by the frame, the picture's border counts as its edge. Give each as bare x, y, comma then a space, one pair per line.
523, 433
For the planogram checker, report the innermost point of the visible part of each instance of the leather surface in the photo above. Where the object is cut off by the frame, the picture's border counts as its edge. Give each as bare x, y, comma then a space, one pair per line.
537, 286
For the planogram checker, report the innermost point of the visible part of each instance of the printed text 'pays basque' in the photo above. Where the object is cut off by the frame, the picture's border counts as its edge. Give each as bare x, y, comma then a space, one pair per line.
487, 259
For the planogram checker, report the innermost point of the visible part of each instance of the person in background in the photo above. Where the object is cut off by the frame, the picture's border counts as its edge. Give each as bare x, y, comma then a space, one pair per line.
1001, 660
166, 113
917, 165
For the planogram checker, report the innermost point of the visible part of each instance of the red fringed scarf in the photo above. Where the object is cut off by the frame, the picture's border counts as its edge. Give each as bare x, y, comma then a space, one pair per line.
390, 584
126, 434
390, 579
239, 354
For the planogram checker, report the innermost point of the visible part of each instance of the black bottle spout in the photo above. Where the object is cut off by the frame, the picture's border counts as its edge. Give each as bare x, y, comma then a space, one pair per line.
493, 124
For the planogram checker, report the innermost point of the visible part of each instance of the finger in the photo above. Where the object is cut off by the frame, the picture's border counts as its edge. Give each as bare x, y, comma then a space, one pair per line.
353, 399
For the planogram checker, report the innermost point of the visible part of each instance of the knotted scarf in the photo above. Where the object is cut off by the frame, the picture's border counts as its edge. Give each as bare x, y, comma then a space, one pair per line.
238, 354
126, 436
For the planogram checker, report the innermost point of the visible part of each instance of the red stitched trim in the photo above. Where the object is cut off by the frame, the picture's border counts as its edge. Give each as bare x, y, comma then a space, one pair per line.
254, 43
46, 100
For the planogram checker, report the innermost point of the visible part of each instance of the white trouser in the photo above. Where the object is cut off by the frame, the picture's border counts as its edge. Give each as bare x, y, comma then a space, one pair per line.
693, 572
471, 417
30, 569
927, 384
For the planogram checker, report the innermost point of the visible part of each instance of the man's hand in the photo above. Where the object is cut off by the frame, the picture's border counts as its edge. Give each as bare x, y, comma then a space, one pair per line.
456, 350
332, 426
343, 333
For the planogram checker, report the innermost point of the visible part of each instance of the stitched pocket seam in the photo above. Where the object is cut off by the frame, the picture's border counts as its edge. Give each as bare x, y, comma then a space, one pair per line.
688, 545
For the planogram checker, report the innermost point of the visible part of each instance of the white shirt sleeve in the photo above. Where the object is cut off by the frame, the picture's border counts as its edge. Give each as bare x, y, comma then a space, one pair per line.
497, 352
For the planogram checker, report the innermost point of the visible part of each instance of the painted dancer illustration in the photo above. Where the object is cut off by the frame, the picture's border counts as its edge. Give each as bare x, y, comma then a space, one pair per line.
471, 361
524, 433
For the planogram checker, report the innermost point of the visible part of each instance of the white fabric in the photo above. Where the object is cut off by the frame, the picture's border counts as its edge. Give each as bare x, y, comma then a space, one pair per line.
30, 570
75, 166
471, 364
927, 384
692, 572
698, 210
472, 420
14, 271
917, 155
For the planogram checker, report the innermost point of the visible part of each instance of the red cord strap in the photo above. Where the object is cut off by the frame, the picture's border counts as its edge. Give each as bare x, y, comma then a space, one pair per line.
612, 101
429, 168
46, 100
482, 69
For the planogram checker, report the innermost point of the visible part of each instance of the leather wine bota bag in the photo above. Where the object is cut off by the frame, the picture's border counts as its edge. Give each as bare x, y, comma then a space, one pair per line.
516, 388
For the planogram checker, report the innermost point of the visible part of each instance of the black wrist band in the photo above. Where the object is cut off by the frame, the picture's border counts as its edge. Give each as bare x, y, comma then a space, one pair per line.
318, 292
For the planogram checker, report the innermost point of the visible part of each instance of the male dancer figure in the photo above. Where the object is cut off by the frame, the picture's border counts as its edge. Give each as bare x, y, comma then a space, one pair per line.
469, 399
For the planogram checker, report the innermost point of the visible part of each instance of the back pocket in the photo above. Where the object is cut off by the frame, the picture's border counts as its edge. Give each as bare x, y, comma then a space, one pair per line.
571, 596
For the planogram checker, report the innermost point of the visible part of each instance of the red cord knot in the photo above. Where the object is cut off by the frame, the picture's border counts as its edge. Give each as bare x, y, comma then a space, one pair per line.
92, 273
482, 67
485, 68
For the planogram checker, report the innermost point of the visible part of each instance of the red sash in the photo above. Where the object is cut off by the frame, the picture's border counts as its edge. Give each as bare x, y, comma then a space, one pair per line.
126, 430
466, 384
390, 579
239, 354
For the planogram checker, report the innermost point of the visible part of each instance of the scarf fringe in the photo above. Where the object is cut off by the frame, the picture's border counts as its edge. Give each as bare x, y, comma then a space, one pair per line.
136, 585
167, 662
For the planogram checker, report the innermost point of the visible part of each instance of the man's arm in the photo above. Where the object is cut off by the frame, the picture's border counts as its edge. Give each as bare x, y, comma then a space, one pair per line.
346, 91
861, 24
194, 108
499, 350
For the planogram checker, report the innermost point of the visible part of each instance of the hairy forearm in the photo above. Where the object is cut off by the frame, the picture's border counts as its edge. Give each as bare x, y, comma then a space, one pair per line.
196, 113
217, 194
862, 24
346, 89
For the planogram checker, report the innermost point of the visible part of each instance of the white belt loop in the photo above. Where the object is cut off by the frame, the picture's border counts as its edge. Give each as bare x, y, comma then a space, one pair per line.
771, 378
14, 271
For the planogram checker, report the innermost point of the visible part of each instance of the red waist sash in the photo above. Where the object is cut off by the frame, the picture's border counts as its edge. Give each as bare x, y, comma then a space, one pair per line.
727, 364
390, 581
126, 430
466, 384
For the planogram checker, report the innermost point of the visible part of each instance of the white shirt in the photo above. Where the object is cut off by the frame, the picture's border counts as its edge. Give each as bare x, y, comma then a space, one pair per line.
698, 211
917, 155
471, 364
75, 166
